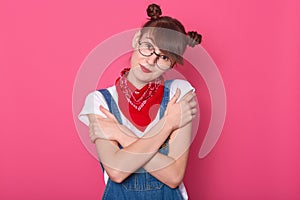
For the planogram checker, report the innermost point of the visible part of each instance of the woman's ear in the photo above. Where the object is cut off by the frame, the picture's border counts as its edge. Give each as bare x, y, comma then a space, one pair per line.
135, 39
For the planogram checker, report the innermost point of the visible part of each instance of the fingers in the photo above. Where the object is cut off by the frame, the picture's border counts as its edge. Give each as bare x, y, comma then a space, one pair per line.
194, 111
189, 99
106, 112
176, 96
188, 96
193, 103
189, 107
95, 131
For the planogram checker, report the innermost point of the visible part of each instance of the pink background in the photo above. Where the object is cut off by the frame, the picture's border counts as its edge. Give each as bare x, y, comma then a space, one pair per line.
254, 43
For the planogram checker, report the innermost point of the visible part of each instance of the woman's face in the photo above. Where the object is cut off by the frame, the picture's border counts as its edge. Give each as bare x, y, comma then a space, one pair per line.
144, 69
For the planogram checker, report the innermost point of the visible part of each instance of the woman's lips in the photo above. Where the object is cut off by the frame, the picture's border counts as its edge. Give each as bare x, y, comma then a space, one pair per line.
144, 69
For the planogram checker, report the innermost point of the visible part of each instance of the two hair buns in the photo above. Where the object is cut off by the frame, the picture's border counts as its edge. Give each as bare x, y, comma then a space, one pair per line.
193, 38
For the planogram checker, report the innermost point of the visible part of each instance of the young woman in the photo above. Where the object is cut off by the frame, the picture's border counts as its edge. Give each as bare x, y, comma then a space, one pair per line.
142, 125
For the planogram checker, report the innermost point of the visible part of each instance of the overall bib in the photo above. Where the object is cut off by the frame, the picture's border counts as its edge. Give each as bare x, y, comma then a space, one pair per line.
140, 185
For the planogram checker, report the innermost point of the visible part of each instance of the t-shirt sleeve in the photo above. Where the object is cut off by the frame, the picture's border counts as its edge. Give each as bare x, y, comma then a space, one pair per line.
91, 106
183, 85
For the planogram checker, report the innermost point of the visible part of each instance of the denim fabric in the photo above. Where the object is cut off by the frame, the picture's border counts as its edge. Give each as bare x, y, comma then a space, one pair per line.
140, 185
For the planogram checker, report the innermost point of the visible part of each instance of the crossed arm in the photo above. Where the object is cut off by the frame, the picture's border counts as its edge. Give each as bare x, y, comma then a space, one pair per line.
143, 152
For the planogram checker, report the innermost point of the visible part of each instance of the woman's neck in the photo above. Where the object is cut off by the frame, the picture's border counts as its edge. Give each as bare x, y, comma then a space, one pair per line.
133, 80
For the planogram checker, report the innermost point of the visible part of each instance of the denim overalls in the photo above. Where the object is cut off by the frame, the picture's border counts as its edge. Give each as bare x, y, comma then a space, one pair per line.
140, 185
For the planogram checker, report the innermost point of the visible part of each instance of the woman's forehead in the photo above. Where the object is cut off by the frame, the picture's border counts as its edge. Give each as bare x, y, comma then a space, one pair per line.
153, 39
147, 36
166, 40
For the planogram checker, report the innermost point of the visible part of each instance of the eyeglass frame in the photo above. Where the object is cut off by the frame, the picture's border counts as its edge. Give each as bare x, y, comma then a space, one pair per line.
157, 55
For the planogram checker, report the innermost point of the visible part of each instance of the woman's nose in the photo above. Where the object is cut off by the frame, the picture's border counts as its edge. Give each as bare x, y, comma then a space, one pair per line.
151, 60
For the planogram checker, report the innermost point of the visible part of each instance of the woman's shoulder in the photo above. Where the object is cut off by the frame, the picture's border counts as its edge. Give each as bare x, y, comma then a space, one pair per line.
96, 98
91, 105
181, 84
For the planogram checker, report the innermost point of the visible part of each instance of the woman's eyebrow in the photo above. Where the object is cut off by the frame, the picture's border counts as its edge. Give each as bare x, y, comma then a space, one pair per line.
153, 43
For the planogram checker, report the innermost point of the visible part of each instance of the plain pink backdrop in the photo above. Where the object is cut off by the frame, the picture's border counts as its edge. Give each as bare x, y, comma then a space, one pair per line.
254, 43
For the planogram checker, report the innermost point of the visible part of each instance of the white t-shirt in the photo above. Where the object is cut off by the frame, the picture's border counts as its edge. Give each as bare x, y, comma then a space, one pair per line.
95, 99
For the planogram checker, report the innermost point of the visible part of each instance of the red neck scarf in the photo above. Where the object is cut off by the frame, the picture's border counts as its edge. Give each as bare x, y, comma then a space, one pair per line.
140, 106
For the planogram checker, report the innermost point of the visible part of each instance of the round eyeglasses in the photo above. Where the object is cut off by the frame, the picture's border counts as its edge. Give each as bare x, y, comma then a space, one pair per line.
163, 62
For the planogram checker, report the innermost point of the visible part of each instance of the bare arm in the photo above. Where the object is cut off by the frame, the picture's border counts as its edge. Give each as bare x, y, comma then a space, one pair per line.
132, 157
163, 167
170, 168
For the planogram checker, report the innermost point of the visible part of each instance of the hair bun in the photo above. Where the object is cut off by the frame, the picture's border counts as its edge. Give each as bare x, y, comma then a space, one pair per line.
154, 11
193, 38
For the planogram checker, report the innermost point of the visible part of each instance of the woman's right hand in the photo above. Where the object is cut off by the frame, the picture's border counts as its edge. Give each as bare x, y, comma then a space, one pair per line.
179, 114
107, 128
103, 127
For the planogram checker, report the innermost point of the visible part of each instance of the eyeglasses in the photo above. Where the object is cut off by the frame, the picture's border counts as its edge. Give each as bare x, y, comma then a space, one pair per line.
163, 62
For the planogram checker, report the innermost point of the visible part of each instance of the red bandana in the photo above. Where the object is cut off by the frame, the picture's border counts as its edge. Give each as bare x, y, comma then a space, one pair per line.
140, 106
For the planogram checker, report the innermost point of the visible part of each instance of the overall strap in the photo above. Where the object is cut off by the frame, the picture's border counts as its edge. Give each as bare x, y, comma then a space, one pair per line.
165, 147
165, 99
113, 108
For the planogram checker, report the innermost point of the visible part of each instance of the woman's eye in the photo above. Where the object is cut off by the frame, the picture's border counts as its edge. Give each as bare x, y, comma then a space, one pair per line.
163, 57
148, 46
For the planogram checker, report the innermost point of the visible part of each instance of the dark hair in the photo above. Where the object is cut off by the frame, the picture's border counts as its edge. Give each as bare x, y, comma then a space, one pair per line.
169, 34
